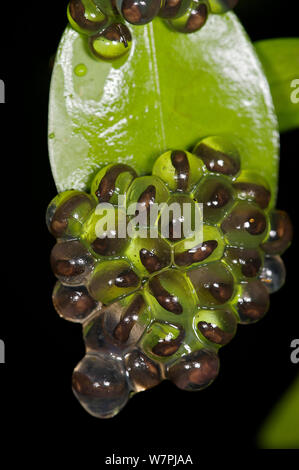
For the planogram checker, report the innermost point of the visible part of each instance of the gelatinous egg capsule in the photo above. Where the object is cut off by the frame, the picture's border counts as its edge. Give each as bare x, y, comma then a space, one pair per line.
163, 340
216, 195
100, 385
245, 226
143, 372
221, 6
112, 280
244, 262
273, 274
253, 301
149, 255
85, 17
169, 295
194, 371
112, 43
174, 8
281, 233
73, 303
213, 284
196, 251
216, 326
181, 218
107, 6
196, 254
67, 212
104, 232
193, 20
71, 262
118, 326
179, 170
219, 155
144, 196
111, 182
251, 186
138, 12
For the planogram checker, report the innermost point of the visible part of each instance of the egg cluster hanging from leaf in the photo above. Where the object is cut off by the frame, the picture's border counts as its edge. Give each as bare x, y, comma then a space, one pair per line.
161, 307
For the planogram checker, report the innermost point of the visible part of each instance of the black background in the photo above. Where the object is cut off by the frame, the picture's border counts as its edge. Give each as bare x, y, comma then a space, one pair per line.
42, 349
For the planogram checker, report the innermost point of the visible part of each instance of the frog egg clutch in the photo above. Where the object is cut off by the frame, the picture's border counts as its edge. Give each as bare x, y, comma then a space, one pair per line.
155, 308
106, 22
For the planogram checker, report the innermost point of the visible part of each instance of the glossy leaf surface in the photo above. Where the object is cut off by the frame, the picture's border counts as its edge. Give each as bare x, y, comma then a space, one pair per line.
170, 90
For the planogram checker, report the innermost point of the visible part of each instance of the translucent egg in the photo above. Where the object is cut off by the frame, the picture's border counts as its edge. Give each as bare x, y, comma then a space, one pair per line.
194, 371
217, 326
193, 20
112, 280
112, 43
216, 195
143, 198
221, 6
180, 219
219, 155
245, 226
273, 274
199, 250
138, 12
180, 170
85, 17
71, 262
244, 262
251, 186
149, 255
174, 8
117, 327
67, 212
100, 385
104, 232
253, 302
163, 339
112, 181
143, 372
73, 303
213, 283
170, 296
281, 233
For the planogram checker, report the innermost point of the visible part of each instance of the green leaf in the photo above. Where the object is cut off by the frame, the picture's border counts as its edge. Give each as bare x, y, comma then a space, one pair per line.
280, 430
170, 91
280, 59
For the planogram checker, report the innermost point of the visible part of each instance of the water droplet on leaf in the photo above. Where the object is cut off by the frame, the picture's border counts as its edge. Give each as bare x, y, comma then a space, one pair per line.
80, 70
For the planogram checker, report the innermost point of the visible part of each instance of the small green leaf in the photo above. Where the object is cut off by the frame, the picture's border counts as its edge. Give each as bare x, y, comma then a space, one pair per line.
169, 91
280, 59
280, 430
